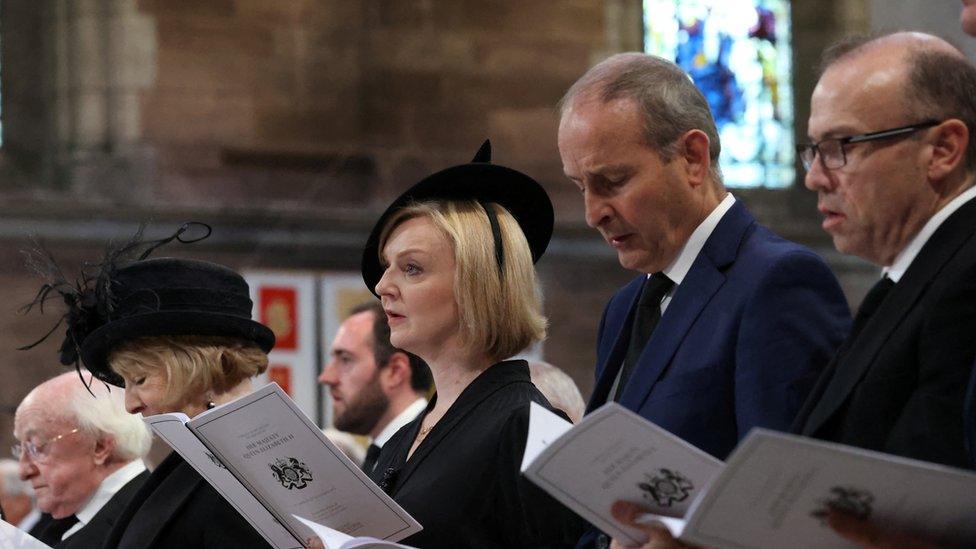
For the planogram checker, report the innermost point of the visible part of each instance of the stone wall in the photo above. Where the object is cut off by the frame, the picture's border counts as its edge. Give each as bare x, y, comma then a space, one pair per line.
290, 124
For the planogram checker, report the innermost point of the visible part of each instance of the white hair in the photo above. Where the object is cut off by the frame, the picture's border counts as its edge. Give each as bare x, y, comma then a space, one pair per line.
559, 388
10, 481
104, 414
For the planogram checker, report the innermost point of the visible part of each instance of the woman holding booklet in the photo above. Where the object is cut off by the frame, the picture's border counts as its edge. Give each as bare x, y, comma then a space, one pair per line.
178, 335
451, 260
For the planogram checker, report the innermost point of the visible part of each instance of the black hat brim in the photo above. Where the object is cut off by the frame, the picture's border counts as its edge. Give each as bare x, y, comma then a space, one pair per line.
98, 344
518, 193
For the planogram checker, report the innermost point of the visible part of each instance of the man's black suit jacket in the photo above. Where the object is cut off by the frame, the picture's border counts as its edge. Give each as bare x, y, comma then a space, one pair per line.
898, 386
94, 533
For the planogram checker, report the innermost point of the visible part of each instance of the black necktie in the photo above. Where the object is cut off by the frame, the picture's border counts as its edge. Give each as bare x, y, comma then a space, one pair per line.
870, 304
372, 453
645, 319
55, 529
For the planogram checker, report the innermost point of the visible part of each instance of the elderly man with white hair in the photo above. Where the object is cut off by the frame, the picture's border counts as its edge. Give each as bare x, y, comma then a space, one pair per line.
82, 453
558, 388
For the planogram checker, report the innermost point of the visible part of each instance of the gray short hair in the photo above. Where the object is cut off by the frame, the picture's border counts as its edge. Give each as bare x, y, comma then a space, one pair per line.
559, 388
104, 414
669, 102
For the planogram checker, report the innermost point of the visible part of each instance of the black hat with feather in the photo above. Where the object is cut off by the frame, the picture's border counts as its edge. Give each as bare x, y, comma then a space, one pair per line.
128, 296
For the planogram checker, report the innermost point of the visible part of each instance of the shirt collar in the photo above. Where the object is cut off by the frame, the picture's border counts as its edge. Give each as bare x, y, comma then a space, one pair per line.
109, 486
904, 259
406, 416
678, 268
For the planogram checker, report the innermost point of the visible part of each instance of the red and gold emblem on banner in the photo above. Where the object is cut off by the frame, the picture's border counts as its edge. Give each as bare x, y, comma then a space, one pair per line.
280, 374
279, 311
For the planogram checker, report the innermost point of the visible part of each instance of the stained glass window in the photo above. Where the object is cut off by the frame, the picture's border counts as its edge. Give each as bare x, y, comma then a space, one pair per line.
739, 54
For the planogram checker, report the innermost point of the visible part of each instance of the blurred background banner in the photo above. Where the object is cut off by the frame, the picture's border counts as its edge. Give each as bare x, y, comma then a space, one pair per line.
285, 302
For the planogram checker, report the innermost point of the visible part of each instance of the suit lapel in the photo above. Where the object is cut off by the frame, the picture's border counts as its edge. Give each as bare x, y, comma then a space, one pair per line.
690, 297
619, 320
856, 356
161, 496
490, 381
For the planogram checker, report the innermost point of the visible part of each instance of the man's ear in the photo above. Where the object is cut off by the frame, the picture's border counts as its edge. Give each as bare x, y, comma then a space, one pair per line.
694, 151
104, 448
396, 373
948, 149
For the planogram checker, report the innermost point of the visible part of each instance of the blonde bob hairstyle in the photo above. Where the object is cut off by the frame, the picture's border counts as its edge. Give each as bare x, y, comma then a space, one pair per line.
499, 315
192, 365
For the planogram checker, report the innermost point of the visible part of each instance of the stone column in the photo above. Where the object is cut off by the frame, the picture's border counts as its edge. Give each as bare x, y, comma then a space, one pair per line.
101, 54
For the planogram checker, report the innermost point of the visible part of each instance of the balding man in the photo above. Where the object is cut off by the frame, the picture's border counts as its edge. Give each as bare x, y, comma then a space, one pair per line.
726, 326
892, 160
83, 456
892, 122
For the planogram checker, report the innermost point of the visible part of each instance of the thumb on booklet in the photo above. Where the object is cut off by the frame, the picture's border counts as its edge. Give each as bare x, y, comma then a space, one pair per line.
637, 516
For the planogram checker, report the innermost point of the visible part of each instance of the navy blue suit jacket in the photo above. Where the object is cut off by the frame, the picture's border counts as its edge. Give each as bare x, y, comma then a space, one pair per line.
741, 343
744, 338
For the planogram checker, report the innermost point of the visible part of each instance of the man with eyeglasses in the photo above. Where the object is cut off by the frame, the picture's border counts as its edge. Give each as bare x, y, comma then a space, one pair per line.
893, 125
893, 160
82, 453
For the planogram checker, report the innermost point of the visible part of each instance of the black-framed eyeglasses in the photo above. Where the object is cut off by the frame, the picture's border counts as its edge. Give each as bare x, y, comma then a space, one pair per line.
37, 452
832, 151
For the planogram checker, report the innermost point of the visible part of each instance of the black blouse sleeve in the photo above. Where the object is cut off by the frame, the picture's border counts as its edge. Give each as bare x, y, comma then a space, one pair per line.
528, 516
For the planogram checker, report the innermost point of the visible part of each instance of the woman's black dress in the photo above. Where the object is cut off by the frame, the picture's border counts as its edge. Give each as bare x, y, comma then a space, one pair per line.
463, 482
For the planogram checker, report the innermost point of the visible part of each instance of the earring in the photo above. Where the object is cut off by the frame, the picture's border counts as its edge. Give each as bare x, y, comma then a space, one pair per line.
210, 403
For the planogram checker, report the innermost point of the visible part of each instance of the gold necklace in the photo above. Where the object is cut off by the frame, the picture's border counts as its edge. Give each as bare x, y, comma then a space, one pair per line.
424, 431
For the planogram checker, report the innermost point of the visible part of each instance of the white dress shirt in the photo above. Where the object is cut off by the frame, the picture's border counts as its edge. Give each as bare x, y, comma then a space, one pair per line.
112, 484
907, 255
408, 414
679, 268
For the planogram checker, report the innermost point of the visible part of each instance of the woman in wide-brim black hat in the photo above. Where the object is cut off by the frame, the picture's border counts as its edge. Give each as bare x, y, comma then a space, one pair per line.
178, 335
452, 261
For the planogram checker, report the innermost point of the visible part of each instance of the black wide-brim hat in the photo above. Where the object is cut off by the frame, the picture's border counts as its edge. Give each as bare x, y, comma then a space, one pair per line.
481, 181
171, 297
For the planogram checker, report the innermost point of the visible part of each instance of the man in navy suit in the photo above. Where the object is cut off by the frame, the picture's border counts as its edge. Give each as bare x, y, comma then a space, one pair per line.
727, 326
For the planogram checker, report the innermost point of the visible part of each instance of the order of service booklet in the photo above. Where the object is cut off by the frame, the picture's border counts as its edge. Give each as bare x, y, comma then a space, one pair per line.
12, 537
271, 462
774, 490
334, 539
614, 454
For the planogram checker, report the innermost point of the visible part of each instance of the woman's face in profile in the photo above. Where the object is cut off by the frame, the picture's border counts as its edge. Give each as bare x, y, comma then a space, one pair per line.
145, 393
417, 288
